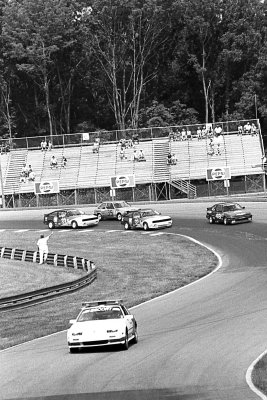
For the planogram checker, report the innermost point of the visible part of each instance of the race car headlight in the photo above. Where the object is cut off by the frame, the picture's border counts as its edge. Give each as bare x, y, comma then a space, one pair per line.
76, 334
112, 331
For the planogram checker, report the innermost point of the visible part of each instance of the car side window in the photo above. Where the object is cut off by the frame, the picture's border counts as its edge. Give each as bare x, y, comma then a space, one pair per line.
219, 208
124, 309
110, 206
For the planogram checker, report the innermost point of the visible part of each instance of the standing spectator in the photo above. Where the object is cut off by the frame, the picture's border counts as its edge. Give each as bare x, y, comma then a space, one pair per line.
135, 156
43, 145
189, 134
240, 129
218, 130
203, 132
49, 145
123, 143
135, 138
210, 147
53, 162
42, 244
184, 137
96, 145
199, 133
254, 130
171, 135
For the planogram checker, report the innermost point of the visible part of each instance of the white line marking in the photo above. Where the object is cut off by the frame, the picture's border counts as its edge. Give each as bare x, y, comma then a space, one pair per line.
145, 233
157, 234
112, 230
127, 232
21, 230
249, 378
2, 230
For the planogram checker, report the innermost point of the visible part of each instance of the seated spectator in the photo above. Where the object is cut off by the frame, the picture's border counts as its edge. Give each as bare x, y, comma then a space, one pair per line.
199, 133
64, 162
173, 159
53, 162
22, 178
210, 147
141, 156
184, 137
29, 169
218, 130
25, 170
210, 132
218, 141
176, 136
32, 176
96, 145
123, 143
122, 154
171, 135
254, 130
240, 130
203, 132
169, 158
135, 156
135, 138
247, 128
129, 143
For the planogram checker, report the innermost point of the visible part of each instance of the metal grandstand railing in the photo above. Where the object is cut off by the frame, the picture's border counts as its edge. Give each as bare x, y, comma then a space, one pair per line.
185, 187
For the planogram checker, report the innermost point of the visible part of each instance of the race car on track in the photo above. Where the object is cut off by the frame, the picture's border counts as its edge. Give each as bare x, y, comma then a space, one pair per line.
228, 213
102, 323
112, 210
69, 218
146, 219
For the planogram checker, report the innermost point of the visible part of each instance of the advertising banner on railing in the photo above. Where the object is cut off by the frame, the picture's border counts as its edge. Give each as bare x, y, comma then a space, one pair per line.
45, 187
122, 181
218, 173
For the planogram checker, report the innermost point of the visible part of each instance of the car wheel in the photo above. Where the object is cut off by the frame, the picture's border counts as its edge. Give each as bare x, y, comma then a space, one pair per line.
225, 221
99, 216
119, 217
211, 220
145, 226
74, 225
126, 226
125, 345
135, 339
73, 350
51, 225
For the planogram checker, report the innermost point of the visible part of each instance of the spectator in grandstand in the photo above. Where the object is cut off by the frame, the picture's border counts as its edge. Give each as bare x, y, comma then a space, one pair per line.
199, 133
171, 135
210, 132
135, 138
64, 162
135, 156
254, 130
22, 178
173, 159
49, 146
123, 154
184, 137
240, 130
203, 132
176, 135
218, 141
210, 147
129, 143
42, 245
96, 145
31, 176
43, 145
123, 143
141, 156
53, 162
169, 158
25, 170
247, 128
218, 130
189, 134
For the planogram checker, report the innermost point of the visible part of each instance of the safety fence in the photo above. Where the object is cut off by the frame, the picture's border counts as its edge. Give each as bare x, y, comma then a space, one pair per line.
88, 138
42, 295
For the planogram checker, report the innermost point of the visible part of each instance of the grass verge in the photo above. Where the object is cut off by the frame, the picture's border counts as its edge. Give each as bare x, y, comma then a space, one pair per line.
259, 376
131, 266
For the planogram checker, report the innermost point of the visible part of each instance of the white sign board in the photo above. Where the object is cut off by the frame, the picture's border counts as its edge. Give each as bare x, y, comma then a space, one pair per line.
218, 174
122, 181
45, 187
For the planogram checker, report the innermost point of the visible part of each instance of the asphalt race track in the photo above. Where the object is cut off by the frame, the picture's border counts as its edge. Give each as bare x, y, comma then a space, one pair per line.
195, 343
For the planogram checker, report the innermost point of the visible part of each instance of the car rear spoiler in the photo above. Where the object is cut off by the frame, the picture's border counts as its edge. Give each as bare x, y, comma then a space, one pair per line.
101, 302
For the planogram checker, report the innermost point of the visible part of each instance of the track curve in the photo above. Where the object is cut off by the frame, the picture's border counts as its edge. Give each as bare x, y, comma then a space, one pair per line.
195, 343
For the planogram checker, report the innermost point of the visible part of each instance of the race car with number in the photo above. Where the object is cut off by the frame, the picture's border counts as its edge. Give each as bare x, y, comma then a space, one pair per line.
73, 218
102, 323
112, 210
145, 219
228, 213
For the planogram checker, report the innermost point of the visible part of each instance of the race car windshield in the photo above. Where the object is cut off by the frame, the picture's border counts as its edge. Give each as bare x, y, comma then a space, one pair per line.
76, 212
94, 315
121, 205
150, 213
232, 207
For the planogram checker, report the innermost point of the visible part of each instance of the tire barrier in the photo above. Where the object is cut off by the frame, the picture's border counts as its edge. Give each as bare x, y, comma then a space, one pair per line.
42, 295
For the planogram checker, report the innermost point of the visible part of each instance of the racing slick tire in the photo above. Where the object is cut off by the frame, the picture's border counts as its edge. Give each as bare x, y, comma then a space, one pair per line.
74, 225
225, 221
125, 345
211, 220
145, 226
119, 217
127, 226
135, 339
99, 216
51, 225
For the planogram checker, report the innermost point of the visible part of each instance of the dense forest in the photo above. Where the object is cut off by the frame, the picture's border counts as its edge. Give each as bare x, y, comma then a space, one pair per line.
84, 65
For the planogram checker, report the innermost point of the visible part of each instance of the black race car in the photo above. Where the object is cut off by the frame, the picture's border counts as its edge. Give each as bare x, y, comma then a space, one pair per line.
228, 213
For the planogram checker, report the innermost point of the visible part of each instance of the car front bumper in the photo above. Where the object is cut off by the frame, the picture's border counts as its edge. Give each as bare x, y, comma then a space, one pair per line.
96, 343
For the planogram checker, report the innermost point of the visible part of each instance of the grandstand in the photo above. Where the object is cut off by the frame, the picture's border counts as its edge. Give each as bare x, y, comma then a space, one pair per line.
87, 171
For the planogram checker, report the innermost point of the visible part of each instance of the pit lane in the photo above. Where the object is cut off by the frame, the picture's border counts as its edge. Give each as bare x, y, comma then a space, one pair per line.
195, 343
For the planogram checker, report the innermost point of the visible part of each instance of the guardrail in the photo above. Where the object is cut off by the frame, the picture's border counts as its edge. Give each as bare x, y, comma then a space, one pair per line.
42, 295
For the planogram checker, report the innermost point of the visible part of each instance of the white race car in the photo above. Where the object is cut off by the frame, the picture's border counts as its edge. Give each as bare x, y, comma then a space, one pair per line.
102, 323
146, 219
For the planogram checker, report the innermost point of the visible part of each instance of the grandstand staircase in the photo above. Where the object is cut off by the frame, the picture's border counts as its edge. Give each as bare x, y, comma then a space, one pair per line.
185, 187
12, 180
161, 171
